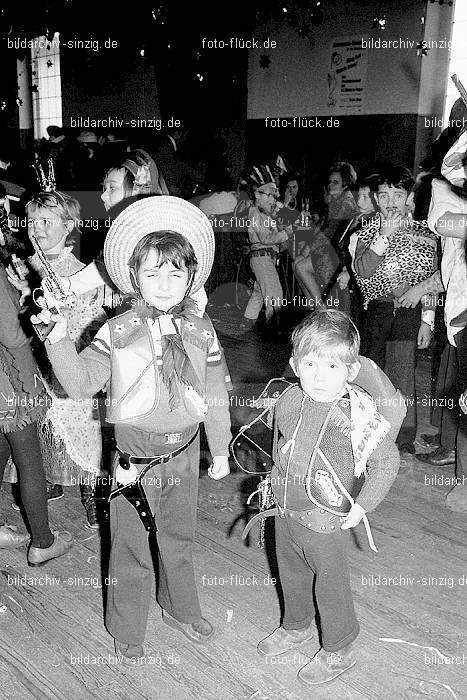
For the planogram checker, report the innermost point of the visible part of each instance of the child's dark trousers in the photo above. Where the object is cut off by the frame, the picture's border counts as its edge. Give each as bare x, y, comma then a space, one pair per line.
131, 559
314, 575
390, 340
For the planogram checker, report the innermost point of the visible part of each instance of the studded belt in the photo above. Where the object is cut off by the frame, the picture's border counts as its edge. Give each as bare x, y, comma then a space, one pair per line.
126, 460
260, 252
316, 519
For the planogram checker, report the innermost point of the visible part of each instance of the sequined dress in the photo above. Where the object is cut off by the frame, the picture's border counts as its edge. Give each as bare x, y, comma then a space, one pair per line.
70, 432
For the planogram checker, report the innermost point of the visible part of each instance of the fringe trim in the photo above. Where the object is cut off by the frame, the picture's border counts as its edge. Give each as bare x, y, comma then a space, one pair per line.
340, 420
19, 419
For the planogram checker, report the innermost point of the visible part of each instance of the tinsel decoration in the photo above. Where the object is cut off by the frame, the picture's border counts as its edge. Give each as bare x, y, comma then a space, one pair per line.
422, 48
380, 22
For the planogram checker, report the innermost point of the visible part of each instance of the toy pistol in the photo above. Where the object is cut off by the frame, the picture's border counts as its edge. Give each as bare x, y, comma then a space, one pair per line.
52, 291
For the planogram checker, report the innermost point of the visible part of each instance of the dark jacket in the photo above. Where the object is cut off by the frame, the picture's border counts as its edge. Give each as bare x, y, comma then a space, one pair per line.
22, 399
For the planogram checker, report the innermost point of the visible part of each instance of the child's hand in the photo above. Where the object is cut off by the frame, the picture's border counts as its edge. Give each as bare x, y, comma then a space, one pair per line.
19, 284
354, 516
343, 279
380, 245
411, 297
219, 468
424, 336
59, 330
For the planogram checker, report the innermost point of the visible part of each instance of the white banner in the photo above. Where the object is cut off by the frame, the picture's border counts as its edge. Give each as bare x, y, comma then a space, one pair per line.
347, 75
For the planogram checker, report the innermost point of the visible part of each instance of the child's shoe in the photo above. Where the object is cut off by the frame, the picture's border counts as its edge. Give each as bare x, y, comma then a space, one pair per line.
10, 539
63, 541
282, 640
327, 665
129, 652
200, 632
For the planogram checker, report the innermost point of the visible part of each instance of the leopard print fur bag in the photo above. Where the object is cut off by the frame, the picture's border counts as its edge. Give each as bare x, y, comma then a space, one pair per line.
409, 259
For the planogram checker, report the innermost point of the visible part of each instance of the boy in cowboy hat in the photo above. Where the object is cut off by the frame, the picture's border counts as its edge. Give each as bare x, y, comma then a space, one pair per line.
165, 374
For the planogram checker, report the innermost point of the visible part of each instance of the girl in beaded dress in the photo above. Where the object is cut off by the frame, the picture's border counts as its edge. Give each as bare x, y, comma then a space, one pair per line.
70, 434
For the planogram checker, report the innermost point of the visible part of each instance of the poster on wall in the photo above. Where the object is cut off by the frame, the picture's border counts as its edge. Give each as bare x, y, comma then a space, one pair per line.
347, 75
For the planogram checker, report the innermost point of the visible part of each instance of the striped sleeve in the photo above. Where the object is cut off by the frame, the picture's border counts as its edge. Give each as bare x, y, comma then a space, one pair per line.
101, 341
216, 358
214, 354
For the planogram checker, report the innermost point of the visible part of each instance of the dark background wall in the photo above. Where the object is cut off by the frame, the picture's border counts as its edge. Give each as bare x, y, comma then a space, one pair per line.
227, 107
363, 140
402, 86
117, 83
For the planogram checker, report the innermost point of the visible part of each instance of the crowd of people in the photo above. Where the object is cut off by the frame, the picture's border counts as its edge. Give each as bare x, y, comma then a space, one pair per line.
122, 312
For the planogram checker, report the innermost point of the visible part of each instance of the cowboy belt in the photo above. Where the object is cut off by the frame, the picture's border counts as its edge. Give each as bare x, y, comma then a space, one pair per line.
315, 519
134, 492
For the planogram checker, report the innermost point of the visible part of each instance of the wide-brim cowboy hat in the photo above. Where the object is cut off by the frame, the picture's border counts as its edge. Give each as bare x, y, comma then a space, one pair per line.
149, 215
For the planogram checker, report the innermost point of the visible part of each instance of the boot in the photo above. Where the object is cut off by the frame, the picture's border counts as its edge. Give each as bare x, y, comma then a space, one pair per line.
88, 499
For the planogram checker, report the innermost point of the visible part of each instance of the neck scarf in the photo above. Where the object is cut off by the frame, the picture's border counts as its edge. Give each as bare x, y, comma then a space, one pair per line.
177, 369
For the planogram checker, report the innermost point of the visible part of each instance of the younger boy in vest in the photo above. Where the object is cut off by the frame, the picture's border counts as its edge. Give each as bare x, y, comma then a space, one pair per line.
165, 373
328, 434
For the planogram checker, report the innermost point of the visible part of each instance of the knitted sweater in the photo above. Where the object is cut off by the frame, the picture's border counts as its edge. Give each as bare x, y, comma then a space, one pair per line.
382, 466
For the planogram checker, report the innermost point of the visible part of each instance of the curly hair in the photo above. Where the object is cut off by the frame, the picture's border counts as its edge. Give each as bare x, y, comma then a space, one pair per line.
347, 173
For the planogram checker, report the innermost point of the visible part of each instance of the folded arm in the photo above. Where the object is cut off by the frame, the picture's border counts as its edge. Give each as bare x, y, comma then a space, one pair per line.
368, 258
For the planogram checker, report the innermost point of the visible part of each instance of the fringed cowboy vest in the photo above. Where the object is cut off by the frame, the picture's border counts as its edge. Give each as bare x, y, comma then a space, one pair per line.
136, 360
353, 431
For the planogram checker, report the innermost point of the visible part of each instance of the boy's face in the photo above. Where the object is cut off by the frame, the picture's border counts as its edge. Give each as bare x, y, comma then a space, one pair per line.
266, 199
161, 286
364, 201
392, 201
322, 378
292, 189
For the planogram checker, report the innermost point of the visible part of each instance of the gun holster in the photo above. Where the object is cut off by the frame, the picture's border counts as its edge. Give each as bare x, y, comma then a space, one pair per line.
135, 494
